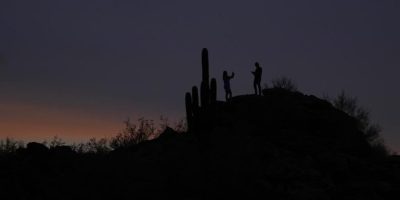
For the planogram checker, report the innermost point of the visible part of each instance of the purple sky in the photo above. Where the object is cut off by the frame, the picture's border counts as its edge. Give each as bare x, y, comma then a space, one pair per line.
78, 68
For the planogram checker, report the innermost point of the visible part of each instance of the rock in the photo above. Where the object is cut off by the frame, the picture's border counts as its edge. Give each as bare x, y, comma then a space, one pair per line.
168, 133
35, 148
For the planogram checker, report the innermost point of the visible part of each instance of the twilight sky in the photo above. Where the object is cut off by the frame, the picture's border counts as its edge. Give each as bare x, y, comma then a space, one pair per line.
78, 68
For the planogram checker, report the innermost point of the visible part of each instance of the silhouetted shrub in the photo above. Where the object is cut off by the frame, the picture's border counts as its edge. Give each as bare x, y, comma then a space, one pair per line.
371, 131
97, 146
180, 126
56, 141
346, 104
133, 134
78, 147
10, 146
284, 83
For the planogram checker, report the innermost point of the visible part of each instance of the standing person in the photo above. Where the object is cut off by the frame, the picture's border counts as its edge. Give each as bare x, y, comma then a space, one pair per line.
227, 84
257, 79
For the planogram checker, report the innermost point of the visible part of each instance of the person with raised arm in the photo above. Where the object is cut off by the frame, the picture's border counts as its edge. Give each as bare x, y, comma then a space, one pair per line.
227, 84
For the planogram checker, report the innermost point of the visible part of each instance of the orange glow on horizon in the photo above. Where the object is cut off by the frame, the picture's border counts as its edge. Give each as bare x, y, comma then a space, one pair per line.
38, 123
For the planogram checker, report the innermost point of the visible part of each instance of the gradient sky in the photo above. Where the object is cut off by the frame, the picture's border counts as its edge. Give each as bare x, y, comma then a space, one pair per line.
78, 68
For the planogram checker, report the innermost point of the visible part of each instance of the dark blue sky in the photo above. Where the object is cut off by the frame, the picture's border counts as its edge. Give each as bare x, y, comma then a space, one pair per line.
80, 67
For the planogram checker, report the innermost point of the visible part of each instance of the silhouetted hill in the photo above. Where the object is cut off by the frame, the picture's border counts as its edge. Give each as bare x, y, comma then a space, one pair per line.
293, 120
283, 145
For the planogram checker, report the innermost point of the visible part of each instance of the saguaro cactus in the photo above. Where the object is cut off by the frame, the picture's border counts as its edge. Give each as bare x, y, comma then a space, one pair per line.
205, 66
204, 88
189, 110
204, 97
202, 117
195, 99
213, 91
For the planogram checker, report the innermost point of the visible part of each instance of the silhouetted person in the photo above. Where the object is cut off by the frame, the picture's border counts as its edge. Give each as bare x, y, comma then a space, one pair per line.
227, 84
257, 79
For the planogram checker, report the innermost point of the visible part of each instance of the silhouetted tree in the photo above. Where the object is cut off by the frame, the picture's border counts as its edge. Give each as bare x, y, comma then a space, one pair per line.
371, 131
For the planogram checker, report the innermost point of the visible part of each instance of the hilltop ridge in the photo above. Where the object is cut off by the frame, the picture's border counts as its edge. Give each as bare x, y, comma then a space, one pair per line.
282, 115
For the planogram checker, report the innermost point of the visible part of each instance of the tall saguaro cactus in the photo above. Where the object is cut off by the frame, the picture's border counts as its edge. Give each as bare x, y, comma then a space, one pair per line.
213, 91
205, 66
204, 88
201, 117
189, 110
195, 99
204, 98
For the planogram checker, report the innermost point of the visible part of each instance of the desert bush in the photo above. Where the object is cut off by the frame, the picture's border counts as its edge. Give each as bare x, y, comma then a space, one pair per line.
79, 147
96, 146
180, 126
133, 134
93, 146
284, 83
56, 141
371, 131
10, 146
346, 103
164, 122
